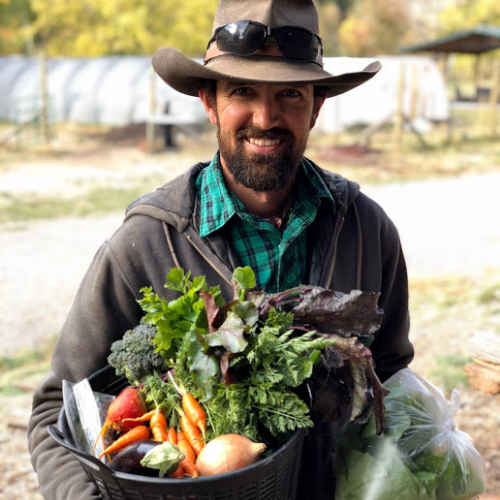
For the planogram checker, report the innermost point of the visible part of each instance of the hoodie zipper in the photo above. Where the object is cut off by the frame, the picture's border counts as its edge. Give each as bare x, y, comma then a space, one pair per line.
334, 260
210, 263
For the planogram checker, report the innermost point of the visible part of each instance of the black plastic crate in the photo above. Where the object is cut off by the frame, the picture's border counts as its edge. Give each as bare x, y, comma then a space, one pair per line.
272, 478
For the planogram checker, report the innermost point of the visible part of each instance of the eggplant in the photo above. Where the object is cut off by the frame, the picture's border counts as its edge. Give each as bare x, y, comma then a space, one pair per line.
129, 459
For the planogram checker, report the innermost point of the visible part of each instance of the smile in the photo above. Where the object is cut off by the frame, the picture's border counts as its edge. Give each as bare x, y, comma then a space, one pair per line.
263, 142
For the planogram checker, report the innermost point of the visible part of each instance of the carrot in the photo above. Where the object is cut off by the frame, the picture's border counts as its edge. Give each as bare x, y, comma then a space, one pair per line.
136, 434
192, 433
172, 435
179, 472
185, 447
172, 438
195, 412
192, 408
188, 463
143, 418
158, 425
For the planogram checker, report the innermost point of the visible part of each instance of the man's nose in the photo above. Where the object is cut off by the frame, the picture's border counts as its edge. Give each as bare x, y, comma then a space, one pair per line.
266, 113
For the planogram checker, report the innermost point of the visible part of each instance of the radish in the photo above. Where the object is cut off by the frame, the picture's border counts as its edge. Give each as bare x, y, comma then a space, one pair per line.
129, 404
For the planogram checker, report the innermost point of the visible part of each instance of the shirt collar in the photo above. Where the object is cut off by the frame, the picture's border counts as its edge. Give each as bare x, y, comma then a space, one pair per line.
218, 204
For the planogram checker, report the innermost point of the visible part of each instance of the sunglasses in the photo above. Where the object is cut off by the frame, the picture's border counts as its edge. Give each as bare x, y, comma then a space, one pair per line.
247, 37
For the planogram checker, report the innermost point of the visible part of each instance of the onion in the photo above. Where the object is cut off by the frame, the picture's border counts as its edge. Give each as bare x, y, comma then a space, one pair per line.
227, 453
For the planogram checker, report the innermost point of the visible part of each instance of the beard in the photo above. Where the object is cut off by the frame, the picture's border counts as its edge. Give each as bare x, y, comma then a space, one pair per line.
262, 172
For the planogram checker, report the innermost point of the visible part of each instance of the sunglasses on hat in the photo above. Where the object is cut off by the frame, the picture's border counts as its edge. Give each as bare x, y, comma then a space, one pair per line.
247, 37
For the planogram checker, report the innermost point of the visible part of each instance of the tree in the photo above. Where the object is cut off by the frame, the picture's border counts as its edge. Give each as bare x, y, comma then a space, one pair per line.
119, 27
16, 16
375, 28
465, 14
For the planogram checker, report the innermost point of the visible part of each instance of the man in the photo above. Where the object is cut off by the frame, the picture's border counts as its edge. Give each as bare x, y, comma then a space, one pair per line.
259, 202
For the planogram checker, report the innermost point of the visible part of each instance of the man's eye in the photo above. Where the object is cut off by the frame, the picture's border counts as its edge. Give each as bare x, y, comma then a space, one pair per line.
241, 91
291, 93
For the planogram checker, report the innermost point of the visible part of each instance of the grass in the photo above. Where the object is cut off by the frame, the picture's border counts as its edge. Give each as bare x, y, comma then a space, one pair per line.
449, 372
24, 370
95, 202
445, 313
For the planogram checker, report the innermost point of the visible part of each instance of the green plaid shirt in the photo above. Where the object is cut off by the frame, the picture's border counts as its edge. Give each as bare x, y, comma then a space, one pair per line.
278, 260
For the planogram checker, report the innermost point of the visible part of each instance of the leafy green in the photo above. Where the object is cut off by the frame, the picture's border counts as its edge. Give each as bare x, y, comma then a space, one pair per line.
248, 359
404, 461
243, 281
265, 374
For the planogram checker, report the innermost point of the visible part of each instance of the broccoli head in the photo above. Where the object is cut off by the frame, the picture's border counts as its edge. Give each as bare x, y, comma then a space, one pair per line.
134, 355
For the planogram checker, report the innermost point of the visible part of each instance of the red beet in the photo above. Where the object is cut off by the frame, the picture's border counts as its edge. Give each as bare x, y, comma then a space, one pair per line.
128, 404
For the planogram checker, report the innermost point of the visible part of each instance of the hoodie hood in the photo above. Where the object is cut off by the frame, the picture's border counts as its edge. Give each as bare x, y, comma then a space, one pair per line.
175, 202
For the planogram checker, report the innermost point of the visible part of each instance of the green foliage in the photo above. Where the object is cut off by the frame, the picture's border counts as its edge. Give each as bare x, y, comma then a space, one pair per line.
173, 319
16, 16
134, 355
468, 14
243, 366
90, 28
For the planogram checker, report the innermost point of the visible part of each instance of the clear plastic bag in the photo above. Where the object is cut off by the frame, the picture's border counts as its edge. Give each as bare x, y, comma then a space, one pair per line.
421, 455
85, 413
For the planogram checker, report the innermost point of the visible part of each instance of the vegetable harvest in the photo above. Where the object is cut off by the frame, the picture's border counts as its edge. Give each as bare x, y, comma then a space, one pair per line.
224, 381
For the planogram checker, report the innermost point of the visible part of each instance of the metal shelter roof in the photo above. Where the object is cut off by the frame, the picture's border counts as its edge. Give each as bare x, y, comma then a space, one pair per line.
478, 40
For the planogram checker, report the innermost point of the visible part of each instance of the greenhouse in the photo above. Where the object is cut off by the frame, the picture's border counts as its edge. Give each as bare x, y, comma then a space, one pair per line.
123, 90
106, 90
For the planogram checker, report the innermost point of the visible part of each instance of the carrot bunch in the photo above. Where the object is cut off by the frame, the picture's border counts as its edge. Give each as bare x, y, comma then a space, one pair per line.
189, 438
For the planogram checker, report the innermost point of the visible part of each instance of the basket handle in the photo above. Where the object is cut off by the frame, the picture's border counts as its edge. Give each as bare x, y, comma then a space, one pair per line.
87, 459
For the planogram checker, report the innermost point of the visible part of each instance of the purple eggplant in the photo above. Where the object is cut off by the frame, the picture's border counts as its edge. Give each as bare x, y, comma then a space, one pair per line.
129, 459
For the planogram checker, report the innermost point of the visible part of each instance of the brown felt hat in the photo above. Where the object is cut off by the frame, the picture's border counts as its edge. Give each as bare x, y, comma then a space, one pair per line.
267, 65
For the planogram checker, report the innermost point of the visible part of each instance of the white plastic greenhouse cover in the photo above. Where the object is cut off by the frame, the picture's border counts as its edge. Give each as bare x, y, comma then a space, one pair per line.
424, 95
107, 90
116, 91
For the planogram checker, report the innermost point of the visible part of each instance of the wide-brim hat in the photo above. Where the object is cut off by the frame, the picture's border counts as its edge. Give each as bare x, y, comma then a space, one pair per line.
186, 75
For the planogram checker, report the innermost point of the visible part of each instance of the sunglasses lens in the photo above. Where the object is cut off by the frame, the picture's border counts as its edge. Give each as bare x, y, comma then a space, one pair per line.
242, 37
296, 43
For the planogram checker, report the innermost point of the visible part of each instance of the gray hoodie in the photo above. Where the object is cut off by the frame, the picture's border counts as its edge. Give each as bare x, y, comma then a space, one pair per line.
355, 246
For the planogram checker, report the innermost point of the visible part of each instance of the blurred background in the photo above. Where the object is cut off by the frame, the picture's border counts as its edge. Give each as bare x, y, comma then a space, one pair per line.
86, 127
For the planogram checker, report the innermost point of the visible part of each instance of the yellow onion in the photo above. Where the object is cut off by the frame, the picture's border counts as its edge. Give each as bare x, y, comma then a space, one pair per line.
227, 453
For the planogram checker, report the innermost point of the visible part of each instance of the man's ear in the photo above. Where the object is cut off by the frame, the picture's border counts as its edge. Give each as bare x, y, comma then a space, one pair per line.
209, 103
318, 104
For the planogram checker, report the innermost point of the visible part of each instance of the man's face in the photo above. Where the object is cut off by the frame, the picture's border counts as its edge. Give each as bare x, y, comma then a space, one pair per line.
262, 130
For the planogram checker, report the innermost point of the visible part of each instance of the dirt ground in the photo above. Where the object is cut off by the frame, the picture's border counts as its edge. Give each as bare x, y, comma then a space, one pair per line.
119, 159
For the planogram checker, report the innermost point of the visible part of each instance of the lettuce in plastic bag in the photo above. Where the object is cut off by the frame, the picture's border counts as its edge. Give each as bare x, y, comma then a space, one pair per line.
421, 455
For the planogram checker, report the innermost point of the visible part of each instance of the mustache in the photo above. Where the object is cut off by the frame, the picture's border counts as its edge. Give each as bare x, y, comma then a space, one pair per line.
275, 133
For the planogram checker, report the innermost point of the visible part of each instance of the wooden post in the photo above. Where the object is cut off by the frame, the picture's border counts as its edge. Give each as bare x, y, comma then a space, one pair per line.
477, 62
495, 92
399, 116
44, 97
414, 94
150, 126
